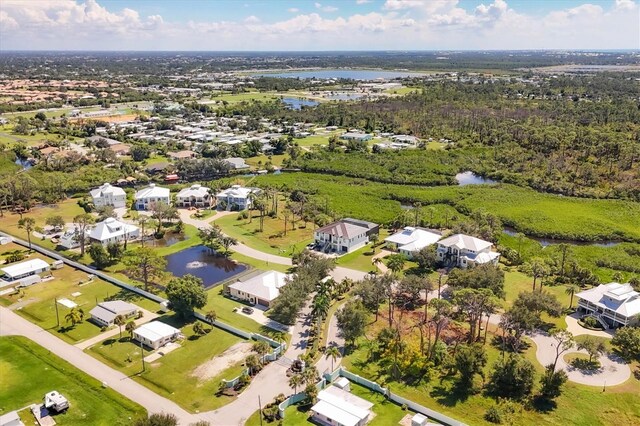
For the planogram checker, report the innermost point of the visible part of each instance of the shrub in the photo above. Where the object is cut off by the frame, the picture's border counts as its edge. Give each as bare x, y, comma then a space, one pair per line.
590, 322
493, 415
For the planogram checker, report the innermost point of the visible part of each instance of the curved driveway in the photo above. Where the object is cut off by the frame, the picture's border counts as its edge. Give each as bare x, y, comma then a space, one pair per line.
613, 370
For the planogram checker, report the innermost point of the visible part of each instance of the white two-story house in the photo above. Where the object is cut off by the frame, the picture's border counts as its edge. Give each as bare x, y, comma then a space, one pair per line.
613, 305
236, 198
194, 196
147, 197
112, 230
108, 195
344, 236
466, 251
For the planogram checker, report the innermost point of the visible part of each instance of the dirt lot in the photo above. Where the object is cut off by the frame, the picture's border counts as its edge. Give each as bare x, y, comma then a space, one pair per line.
218, 364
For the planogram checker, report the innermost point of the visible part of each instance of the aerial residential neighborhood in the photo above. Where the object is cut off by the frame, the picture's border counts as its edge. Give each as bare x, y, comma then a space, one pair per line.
336, 213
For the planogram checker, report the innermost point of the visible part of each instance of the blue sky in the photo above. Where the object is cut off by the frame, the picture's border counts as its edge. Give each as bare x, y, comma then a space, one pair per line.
318, 25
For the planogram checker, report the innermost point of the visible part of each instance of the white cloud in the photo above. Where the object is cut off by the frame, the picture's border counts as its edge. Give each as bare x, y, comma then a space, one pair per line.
363, 1
400, 24
293, 10
328, 9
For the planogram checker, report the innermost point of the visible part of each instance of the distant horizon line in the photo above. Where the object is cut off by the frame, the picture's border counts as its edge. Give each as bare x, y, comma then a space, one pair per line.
613, 50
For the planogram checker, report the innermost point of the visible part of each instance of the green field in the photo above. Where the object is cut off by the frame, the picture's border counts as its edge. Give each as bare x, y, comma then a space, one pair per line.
36, 303
29, 371
224, 309
271, 239
172, 375
526, 210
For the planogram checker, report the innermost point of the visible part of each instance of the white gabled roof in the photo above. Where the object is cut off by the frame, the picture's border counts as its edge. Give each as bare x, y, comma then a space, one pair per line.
106, 189
620, 298
110, 228
265, 286
342, 406
413, 239
155, 330
152, 191
482, 258
24, 267
237, 191
194, 190
461, 241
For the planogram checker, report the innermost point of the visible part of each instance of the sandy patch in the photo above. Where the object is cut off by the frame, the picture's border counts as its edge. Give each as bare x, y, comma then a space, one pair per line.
226, 359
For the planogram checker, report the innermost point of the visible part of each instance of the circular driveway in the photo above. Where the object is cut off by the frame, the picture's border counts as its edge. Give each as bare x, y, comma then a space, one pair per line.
613, 371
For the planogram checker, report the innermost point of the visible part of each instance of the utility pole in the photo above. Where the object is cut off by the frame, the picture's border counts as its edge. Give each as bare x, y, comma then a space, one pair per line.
142, 356
55, 303
260, 408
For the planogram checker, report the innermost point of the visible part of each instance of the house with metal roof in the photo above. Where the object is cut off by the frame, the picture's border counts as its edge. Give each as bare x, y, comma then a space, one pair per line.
24, 269
147, 197
194, 196
112, 230
411, 240
156, 334
236, 198
466, 251
613, 305
344, 236
108, 195
105, 312
260, 290
337, 407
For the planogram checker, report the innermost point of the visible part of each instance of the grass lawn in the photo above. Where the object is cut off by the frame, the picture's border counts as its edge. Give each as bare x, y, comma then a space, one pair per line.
38, 306
223, 306
360, 259
29, 371
271, 239
402, 90
172, 375
233, 98
260, 160
68, 209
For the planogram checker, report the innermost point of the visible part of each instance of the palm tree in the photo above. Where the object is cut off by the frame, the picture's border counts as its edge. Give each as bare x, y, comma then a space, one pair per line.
211, 316
261, 348
295, 381
570, 291
75, 316
252, 363
120, 320
320, 306
310, 375
198, 328
332, 352
28, 224
396, 263
129, 328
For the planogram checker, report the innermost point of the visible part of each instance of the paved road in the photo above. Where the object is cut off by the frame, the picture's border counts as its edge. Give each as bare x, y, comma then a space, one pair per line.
13, 324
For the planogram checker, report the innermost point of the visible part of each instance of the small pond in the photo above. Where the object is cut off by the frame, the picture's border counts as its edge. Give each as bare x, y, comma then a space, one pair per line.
298, 103
202, 263
25, 163
166, 241
470, 178
544, 242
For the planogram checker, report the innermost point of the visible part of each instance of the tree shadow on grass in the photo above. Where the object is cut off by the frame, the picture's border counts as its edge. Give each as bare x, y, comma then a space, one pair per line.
544, 405
451, 396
